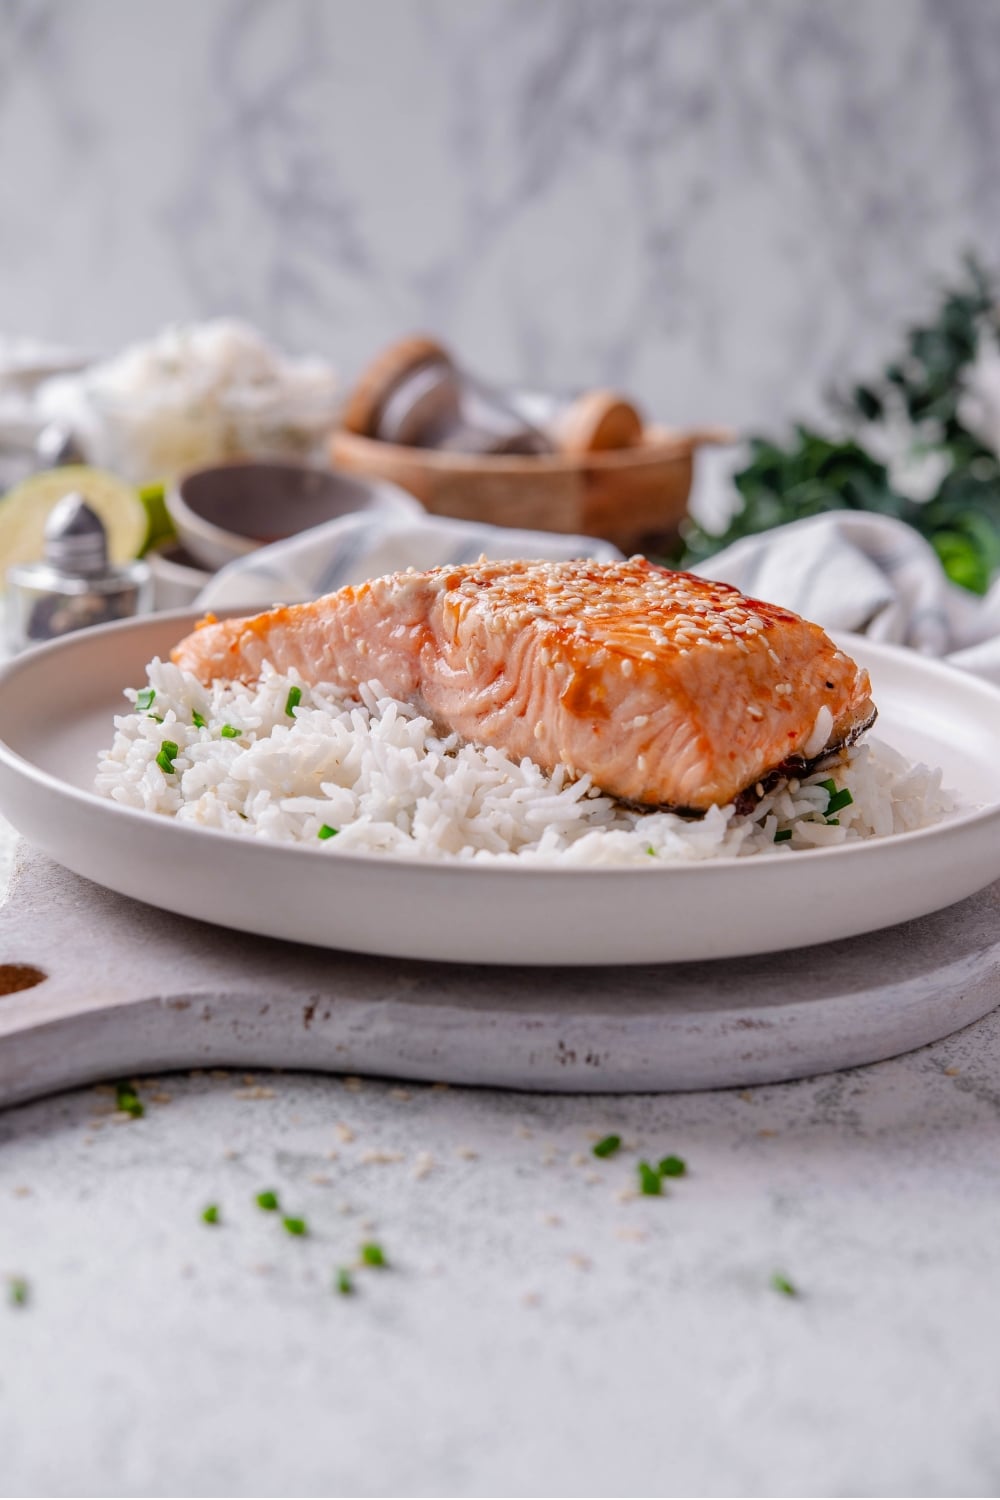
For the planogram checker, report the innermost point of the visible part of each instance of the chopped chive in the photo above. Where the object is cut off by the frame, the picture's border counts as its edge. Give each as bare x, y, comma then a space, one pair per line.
158, 718
651, 851
210, 1214
127, 1101
608, 1146
229, 733
344, 1282
829, 785
833, 822
782, 1284
841, 799
18, 1291
326, 832
268, 1201
672, 1166
167, 754
650, 1182
782, 836
144, 699
295, 1226
293, 700
197, 720
373, 1255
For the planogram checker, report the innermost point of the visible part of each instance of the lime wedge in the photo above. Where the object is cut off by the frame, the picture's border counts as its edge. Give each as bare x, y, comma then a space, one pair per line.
25, 509
159, 526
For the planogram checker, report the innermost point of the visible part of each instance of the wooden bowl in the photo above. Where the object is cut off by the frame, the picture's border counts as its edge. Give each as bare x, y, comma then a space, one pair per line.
630, 496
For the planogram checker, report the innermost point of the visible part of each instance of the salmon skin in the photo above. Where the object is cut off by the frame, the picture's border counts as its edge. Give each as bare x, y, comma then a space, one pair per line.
669, 690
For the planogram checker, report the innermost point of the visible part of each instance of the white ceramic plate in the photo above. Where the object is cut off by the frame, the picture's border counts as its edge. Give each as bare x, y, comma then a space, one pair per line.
56, 710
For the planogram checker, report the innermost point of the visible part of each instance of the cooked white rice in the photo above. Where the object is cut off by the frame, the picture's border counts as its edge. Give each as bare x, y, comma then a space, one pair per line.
365, 773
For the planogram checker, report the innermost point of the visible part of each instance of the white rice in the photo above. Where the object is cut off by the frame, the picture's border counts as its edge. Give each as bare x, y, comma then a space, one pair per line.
376, 772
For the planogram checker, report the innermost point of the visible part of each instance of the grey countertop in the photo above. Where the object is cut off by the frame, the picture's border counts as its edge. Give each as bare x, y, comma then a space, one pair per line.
540, 1327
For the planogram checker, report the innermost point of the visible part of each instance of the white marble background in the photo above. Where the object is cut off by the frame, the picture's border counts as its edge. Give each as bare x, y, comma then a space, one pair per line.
720, 204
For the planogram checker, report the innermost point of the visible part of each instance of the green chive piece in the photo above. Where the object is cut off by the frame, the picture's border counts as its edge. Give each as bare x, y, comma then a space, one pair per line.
651, 851
268, 1201
782, 836
373, 1255
144, 699
672, 1166
157, 718
128, 1101
198, 721
18, 1291
326, 832
293, 700
168, 753
840, 799
210, 1214
608, 1146
782, 1284
229, 733
833, 822
829, 785
344, 1282
295, 1226
650, 1182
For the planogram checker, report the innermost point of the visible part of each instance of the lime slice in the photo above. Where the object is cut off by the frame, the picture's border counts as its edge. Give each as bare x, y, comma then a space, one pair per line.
25, 509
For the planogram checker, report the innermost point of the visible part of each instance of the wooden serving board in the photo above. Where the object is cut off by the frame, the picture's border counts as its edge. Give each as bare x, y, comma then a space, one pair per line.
128, 989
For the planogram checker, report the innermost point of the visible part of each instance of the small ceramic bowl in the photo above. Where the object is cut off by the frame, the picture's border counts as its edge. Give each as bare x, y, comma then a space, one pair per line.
177, 578
228, 510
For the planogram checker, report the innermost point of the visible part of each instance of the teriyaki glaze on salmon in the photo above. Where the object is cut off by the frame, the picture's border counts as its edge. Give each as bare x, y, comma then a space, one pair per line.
669, 690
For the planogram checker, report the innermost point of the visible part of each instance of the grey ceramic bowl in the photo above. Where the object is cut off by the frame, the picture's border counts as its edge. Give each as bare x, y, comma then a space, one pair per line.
227, 510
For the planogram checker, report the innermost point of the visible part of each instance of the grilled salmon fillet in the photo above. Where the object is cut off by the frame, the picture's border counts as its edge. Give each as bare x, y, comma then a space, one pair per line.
668, 689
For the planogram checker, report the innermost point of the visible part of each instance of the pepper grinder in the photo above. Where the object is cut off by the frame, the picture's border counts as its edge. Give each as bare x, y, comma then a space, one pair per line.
76, 584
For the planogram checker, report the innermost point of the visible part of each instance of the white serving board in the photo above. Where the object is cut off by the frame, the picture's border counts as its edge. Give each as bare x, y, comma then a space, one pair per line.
130, 988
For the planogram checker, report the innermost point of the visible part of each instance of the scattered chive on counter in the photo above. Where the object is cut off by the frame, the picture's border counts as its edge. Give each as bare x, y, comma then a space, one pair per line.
295, 1226
210, 1214
293, 700
18, 1292
782, 1284
373, 1255
268, 1201
326, 832
608, 1146
650, 1181
127, 1101
344, 1282
672, 1166
166, 756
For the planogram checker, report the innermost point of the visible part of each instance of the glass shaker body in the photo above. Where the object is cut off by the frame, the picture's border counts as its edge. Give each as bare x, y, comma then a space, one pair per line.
43, 603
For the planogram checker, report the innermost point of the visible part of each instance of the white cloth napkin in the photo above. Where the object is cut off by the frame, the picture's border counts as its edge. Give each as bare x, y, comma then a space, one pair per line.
845, 570
367, 544
850, 570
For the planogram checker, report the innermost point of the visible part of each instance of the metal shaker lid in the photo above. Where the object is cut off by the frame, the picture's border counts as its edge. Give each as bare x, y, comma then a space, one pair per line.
75, 540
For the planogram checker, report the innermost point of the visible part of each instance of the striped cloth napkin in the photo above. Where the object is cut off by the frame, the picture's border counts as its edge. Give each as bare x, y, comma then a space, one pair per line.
845, 570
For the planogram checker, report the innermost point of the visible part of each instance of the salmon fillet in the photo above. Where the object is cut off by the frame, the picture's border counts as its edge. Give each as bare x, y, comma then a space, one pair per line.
668, 689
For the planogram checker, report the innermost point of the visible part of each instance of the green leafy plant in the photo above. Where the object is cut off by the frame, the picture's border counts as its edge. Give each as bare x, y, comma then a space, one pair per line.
907, 431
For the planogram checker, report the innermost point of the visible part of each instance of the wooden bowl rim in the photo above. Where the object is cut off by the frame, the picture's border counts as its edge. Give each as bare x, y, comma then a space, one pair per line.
660, 445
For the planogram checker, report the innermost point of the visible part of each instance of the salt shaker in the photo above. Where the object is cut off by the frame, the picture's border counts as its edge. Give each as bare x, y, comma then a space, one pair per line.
76, 584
